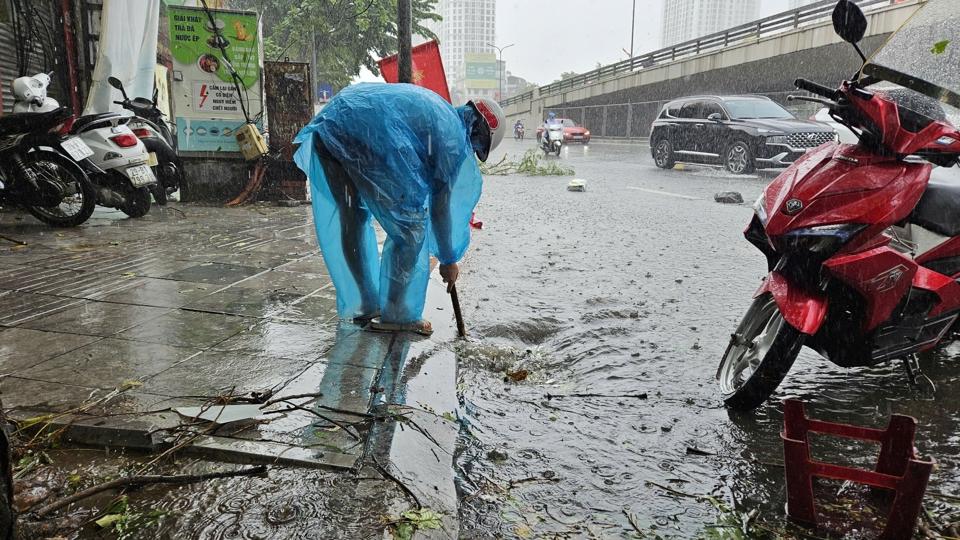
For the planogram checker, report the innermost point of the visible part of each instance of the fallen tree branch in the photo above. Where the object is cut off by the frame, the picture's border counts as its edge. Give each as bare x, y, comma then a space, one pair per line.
133, 481
396, 481
631, 396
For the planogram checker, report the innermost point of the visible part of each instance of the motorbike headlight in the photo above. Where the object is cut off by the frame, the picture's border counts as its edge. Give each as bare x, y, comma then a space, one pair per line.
823, 240
586, 133
759, 209
777, 139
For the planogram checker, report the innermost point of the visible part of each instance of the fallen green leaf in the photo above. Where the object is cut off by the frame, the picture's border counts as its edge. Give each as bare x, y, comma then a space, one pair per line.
940, 47
108, 520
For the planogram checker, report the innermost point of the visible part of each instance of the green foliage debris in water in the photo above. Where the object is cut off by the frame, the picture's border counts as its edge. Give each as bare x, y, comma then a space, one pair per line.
530, 164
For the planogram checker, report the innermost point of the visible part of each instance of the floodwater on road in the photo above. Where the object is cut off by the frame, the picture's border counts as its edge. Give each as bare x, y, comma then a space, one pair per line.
626, 295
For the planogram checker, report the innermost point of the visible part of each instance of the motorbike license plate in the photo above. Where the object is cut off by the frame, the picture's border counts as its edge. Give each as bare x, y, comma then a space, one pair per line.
140, 175
152, 159
76, 148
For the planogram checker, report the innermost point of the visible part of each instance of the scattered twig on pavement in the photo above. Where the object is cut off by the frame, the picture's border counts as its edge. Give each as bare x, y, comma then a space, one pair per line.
614, 396
13, 240
179, 211
633, 522
134, 481
295, 407
531, 479
396, 481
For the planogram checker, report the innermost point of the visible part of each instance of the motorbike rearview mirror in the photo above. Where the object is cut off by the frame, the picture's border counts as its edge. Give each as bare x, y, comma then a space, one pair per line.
849, 21
715, 117
115, 82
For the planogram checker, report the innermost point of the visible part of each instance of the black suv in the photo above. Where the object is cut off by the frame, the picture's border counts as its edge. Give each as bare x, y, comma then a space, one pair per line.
741, 132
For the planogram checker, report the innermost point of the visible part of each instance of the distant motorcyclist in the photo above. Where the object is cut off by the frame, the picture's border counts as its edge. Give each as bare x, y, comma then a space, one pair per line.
401, 154
550, 121
518, 129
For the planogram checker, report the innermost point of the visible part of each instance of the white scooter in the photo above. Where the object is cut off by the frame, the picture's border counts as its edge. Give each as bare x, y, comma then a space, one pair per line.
120, 165
552, 139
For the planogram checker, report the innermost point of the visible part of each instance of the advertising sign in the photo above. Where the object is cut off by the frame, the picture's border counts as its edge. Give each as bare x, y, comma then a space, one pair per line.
206, 102
481, 70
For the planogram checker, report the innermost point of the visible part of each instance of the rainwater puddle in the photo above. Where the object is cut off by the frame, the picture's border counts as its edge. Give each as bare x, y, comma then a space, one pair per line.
619, 309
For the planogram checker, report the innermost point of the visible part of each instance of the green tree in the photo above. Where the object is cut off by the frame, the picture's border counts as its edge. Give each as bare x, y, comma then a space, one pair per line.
346, 35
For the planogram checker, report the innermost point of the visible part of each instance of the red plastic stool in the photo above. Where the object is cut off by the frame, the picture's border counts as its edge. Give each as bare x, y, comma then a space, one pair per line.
898, 468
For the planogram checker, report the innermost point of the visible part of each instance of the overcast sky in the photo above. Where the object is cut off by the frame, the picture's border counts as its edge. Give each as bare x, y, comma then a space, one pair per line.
553, 36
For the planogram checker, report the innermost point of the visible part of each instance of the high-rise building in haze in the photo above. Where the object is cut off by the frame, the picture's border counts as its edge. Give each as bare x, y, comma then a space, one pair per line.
468, 26
684, 20
794, 4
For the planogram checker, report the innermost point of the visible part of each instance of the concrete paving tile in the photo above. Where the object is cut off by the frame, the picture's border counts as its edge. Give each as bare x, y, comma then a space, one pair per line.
188, 329
212, 373
109, 363
19, 393
96, 318
297, 247
320, 306
292, 282
246, 258
161, 293
22, 349
312, 264
29, 254
214, 273
344, 386
17, 307
283, 339
245, 301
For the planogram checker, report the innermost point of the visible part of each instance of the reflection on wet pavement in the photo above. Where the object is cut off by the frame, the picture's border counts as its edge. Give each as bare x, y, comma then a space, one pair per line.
227, 306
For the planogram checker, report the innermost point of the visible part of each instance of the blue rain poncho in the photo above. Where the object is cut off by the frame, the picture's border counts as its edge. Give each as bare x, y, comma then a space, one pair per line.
401, 154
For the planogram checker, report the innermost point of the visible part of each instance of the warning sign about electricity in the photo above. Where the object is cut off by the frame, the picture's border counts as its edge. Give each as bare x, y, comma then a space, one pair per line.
215, 97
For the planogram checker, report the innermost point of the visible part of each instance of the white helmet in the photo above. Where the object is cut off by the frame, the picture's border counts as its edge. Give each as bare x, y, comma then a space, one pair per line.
31, 89
490, 132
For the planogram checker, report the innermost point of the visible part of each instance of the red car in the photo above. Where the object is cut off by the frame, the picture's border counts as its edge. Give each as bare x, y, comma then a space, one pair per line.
571, 132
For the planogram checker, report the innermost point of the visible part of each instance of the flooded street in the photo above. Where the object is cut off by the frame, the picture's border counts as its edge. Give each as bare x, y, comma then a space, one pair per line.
625, 295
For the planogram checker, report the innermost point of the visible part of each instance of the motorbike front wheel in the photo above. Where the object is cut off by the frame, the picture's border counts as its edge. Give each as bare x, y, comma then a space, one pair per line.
760, 354
79, 195
138, 202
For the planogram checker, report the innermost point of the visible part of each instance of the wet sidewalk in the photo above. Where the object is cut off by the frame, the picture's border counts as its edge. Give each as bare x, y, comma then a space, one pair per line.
110, 329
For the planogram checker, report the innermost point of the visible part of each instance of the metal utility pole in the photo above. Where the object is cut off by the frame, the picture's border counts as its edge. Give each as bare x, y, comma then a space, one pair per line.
405, 41
499, 64
633, 21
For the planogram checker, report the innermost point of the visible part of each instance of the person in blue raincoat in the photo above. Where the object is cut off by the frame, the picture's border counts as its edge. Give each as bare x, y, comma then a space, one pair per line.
403, 155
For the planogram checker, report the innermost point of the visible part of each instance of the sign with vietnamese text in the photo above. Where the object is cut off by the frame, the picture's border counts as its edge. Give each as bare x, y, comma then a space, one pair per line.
480, 70
208, 100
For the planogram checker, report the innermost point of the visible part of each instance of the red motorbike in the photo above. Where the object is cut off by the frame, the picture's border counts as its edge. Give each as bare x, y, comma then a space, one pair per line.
840, 280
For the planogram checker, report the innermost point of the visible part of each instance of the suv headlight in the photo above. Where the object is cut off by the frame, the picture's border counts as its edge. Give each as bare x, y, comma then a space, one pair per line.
824, 240
777, 139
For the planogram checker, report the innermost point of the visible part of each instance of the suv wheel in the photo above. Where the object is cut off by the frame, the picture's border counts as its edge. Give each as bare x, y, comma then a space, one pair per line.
663, 154
738, 158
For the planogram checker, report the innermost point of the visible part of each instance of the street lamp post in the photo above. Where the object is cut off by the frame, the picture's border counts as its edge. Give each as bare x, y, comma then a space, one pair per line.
633, 20
499, 63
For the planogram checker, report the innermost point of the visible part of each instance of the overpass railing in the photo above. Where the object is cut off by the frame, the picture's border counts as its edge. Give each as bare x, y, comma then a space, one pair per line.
737, 35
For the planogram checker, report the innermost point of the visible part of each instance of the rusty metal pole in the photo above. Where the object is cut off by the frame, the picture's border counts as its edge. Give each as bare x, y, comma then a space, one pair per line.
405, 41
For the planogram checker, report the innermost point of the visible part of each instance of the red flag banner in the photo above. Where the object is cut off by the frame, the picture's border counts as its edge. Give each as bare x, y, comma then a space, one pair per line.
427, 69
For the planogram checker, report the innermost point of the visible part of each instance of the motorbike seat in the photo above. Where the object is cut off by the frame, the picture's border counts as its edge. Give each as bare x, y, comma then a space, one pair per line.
11, 124
939, 208
85, 122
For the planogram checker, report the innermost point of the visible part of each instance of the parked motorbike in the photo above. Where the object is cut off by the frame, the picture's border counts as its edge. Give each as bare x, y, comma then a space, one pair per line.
840, 282
552, 139
117, 165
149, 125
36, 175
518, 132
